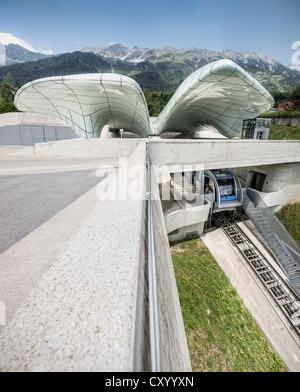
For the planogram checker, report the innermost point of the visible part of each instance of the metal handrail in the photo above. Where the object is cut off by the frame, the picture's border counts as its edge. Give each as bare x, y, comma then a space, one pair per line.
275, 224
152, 276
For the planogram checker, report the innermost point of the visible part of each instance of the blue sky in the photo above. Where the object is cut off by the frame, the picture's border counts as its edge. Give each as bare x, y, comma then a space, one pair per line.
69, 25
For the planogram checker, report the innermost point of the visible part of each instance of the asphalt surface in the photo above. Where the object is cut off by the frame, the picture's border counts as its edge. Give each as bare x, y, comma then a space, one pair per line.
29, 200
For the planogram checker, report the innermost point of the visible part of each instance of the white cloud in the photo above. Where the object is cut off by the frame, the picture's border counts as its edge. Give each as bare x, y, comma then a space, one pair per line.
7, 38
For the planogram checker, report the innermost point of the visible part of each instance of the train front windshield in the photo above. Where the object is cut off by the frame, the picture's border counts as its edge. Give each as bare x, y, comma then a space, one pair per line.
226, 187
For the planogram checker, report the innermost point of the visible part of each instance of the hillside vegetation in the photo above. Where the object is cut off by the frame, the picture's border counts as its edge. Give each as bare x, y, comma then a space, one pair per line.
154, 69
289, 216
282, 132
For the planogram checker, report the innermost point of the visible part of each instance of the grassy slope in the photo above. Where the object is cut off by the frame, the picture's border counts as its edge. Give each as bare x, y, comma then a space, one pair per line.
221, 333
289, 216
281, 132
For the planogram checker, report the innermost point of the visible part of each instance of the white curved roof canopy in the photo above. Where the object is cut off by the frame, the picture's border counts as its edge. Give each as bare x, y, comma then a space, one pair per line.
220, 94
88, 102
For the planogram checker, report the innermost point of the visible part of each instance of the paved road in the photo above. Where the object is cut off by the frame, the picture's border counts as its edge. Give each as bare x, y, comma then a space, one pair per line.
29, 200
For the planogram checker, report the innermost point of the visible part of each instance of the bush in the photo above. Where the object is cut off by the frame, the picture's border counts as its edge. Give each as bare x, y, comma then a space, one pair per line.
289, 216
285, 114
8, 107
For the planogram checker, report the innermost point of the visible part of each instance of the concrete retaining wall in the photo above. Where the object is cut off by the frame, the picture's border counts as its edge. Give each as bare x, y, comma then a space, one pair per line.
281, 184
187, 217
22, 118
90, 147
26, 129
28, 135
213, 154
109, 148
175, 354
292, 122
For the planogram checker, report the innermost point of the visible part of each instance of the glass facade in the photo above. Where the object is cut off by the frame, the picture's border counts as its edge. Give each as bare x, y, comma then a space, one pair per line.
256, 128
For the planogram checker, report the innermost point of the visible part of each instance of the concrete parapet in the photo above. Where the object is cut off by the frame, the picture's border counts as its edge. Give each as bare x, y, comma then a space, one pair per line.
22, 118
280, 185
174, 349
82, 314
187, 217
91, 147
75, 148
215, 154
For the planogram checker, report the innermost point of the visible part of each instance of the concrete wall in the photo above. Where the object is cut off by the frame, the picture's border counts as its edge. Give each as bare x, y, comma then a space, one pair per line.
174, 353
187, 217
26, 129
28, 135
75, 148
281, 184
214, 154
292, 122
91, 147
187, 232
22, 118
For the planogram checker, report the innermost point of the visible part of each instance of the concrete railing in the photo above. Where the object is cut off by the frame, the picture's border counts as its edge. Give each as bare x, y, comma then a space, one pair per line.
174, 350
212, 154
75, 148
187, 217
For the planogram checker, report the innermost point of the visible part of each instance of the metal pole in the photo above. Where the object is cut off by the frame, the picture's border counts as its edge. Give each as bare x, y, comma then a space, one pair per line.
153, 298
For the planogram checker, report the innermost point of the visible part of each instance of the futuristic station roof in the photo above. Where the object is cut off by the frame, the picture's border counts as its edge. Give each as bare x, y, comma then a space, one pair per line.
220, 94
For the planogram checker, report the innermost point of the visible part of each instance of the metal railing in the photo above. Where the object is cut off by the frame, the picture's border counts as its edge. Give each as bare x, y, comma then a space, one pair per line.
282, 246
275, 224
152, 279
283, 295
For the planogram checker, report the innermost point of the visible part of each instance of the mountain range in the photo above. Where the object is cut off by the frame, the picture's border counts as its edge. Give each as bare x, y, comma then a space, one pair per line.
154, 69
16, 54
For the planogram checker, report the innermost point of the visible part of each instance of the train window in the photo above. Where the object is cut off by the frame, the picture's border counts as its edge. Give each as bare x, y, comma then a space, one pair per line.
208, 188
226, 187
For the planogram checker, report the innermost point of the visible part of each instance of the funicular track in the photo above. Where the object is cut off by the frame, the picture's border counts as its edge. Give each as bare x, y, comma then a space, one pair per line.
283, 295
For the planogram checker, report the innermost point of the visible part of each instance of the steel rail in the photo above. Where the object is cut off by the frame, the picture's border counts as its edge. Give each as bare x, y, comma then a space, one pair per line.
152, 279
282, 294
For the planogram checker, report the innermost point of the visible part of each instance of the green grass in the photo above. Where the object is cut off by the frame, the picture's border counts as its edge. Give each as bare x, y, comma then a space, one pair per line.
282, 132
289, 216
221, 333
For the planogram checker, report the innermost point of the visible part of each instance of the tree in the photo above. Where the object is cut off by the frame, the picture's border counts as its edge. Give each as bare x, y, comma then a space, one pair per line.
295, 97
279, 97
7, 95
6, 90
8, 107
